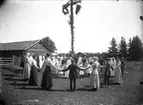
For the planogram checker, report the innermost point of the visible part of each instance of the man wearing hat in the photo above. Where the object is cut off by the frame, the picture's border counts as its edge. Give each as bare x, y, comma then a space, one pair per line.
73, 74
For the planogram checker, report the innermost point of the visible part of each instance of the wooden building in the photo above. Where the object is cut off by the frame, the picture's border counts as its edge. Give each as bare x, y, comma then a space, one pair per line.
12, 53
18, 48
15, 50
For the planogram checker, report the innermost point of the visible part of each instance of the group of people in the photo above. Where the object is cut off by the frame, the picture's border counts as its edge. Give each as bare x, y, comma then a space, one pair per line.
38, 70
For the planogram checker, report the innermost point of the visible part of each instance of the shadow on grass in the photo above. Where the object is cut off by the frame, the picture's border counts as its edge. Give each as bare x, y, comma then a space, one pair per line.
114, 83
41, 89
52, 90
84, 89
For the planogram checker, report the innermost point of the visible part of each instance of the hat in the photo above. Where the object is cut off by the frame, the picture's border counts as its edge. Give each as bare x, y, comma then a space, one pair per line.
28, 54
95, 58
109, 58
53, 54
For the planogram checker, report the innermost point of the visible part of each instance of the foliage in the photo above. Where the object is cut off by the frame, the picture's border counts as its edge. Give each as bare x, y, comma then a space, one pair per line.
65, 11
113, 51
135, 48
48, 44
123, 47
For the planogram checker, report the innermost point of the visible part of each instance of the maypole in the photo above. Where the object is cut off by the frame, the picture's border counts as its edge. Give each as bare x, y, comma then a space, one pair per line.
65, 10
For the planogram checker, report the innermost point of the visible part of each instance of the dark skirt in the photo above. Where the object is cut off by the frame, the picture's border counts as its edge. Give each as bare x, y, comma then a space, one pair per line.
47, 78
33, 76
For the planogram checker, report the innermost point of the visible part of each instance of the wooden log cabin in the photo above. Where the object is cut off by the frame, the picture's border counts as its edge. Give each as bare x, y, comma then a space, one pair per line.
15, 50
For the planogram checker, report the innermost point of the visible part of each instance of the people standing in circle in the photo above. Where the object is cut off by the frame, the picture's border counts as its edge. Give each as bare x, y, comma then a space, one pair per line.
89, 70
122, 66
67, 64
114, 63
112, 72
108, 70
72, 74
27, 67
41, 60
102, 62
118, 73
34, 72
47, 75
94, 77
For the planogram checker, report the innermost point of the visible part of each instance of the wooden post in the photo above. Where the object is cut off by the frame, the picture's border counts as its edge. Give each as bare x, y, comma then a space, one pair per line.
72, 27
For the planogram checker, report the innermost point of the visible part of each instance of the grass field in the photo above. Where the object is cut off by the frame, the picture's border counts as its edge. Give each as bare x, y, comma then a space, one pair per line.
17, 92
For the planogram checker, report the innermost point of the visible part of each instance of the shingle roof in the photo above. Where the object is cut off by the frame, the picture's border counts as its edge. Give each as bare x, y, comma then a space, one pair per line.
46, 44
16, 45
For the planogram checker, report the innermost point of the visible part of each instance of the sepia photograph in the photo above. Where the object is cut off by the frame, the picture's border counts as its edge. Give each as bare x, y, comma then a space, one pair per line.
71, 52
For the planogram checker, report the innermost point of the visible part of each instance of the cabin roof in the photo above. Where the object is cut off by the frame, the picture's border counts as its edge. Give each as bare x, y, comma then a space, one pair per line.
22, 45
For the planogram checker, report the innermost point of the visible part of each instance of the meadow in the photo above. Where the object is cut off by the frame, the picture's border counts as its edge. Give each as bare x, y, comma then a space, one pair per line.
15, 91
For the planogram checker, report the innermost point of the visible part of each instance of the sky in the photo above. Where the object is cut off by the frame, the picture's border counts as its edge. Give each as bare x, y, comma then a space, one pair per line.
95, 25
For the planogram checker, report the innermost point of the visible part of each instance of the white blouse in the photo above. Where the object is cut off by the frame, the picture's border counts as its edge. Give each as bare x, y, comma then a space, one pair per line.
95, 68
48, 62
34, 63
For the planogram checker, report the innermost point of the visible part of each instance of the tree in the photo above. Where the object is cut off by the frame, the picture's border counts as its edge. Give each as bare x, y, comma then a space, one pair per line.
135, 48
48, 44
113, 51
123, 47
129, 53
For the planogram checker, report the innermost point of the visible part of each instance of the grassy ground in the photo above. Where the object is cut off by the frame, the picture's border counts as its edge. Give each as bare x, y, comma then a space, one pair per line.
17, 92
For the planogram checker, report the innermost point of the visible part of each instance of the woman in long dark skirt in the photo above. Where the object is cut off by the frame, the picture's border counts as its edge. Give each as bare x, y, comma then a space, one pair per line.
34, 72
47, 75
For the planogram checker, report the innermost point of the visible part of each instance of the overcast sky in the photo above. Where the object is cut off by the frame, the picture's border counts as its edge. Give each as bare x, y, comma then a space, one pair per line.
95, 25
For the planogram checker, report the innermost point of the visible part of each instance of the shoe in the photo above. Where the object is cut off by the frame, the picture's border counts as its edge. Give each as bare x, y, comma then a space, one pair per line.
69, 89
49, 89
94, 89
108, 86
74, 90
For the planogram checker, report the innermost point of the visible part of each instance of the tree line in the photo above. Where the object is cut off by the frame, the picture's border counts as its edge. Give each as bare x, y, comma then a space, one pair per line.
133, 50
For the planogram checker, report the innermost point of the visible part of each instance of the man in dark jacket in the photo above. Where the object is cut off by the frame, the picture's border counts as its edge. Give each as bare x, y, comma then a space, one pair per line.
73, 74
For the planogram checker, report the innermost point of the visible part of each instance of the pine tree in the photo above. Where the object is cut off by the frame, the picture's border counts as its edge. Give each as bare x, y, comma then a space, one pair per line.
135, 48
123, 47
129, 49
113, 51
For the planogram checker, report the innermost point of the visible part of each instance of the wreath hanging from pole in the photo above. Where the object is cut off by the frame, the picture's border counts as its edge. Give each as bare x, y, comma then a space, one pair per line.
65, 7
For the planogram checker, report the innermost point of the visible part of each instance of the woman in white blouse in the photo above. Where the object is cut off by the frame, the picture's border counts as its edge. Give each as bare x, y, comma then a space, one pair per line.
94, 77
118, 74
27, 67
34, 72
47, 75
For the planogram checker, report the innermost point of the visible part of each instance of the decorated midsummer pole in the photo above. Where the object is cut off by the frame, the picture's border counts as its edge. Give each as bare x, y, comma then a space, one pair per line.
65, 10
72, 27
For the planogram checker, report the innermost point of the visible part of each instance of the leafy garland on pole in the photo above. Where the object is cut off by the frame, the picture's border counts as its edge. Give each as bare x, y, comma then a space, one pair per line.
65, 11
